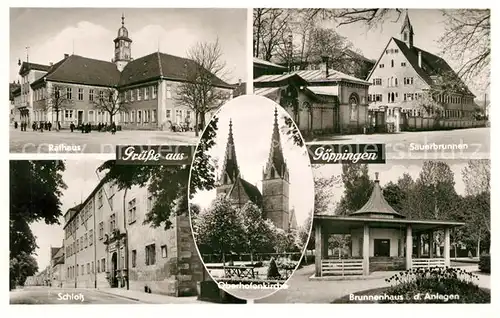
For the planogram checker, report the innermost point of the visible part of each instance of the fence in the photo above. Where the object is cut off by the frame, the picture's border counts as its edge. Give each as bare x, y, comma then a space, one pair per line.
342, 267
427, 262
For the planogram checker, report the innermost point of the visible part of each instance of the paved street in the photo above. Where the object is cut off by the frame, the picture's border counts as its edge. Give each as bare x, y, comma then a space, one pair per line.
407, 145
93, 142
46, 295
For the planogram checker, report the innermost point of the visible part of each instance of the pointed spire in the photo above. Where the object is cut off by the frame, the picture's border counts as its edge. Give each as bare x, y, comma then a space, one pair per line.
276, 158
230, 164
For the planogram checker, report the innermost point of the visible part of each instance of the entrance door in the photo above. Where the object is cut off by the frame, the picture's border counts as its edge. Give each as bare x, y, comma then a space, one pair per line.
114, 269
381, 248
80, 117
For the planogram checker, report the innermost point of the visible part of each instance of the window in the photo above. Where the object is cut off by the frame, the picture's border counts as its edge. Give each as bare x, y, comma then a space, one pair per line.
80, 94
110, 96
101, 96
91, 237
377, 81
168, 113
103, 264
77, 245
98, 265
91, 95
86, 240
150, 254
132, 116
153, 116
408, 80
81, 243
146, 93
139, 95
392, 63
134, 258
131, 95
405, 36
69, 93
164, 251
112, 222
88, 268
155, 91
169, 91
132, 208
101, 230
381, 65
395, 81
99, 198
403, 64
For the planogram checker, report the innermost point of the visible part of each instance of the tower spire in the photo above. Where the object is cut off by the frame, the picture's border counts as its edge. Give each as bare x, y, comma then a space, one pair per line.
276, 159
230, 169
407, 31
123, 19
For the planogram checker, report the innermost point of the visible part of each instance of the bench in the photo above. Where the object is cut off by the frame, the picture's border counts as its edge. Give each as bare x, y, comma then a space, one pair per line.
239, 272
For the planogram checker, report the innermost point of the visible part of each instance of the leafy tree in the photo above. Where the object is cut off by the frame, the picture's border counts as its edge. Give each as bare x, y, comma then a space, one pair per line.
21, 267
203, 169
303, 232
357, 188
395, 196
219, 227
257, 232
199, 91
477, 176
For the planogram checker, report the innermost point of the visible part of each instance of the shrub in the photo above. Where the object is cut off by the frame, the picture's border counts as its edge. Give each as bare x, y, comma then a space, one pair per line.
272, 270
485, 264
436, 285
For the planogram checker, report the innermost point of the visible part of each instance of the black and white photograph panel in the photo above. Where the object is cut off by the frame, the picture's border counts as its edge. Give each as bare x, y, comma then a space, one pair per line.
409, 231
251, 197
414, 79
83, 80
96, 232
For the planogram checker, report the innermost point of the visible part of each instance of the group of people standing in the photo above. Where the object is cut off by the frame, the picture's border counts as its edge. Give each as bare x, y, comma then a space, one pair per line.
36, 126
87, 128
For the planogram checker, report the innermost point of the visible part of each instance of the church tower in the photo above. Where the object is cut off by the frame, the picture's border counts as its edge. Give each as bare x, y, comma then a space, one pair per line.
275, 182
230, 170
407, 32
122, 47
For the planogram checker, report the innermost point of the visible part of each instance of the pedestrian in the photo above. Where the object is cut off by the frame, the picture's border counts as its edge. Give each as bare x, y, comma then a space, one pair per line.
58, 125
72, 126
34, 126
49, 125
82, 127
113, 128
15, 125
41, 126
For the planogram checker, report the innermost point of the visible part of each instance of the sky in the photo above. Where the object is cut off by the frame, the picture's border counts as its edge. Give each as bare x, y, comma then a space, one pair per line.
81, 179
50, 33
428, 26
391, 171
253, 118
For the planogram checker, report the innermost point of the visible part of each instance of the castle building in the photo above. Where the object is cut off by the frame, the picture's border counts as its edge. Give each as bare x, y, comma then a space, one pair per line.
413, 88
136, 93
274, 199
107, 242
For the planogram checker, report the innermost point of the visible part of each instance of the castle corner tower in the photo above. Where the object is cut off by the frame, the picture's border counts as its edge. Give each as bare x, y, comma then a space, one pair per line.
123, 48
275, 182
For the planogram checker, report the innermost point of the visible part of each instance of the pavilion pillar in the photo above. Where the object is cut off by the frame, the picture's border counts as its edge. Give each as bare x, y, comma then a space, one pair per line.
447, 246
366, 250
409, 246
318, 249
419, 245
326, 236
431, 244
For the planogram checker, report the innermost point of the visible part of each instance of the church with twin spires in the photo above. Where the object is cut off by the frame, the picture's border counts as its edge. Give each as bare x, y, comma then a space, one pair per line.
274, 199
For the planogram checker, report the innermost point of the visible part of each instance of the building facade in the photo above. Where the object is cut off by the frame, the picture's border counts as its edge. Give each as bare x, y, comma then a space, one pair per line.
137, 93
106, 242
413, 88
274, 198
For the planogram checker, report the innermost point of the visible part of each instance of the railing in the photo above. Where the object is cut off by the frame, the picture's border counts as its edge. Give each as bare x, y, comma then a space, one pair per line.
427, 262
342, 267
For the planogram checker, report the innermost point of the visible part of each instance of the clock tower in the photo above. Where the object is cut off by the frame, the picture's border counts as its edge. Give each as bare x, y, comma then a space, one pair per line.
122, 47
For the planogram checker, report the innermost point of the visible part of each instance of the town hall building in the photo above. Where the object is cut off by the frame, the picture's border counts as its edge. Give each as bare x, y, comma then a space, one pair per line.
136, 93
414, 89
274, 199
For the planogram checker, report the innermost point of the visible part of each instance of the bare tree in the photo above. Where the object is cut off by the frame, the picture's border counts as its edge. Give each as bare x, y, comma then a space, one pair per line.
111, 101
371, 17
467, 41
56, 100
199, 92
269, 27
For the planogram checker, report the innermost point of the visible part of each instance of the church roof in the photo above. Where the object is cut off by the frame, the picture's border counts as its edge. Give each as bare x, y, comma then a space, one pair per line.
432, 65
407, 24
252, 191
230, 167
377, 205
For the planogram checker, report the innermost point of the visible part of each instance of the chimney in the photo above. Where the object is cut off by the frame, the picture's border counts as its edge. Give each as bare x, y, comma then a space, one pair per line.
420, 59
325, 59
66, 55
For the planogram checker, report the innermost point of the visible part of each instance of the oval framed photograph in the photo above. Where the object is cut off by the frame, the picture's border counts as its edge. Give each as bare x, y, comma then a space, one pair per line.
251, 197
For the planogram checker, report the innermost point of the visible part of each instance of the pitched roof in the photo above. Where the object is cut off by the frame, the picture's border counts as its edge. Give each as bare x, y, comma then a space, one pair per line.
230, 167
432, 65
26, 67
252, 191
14, 89
82, 70
263, 63
377, 204
333, 76
160, 65
276, 157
